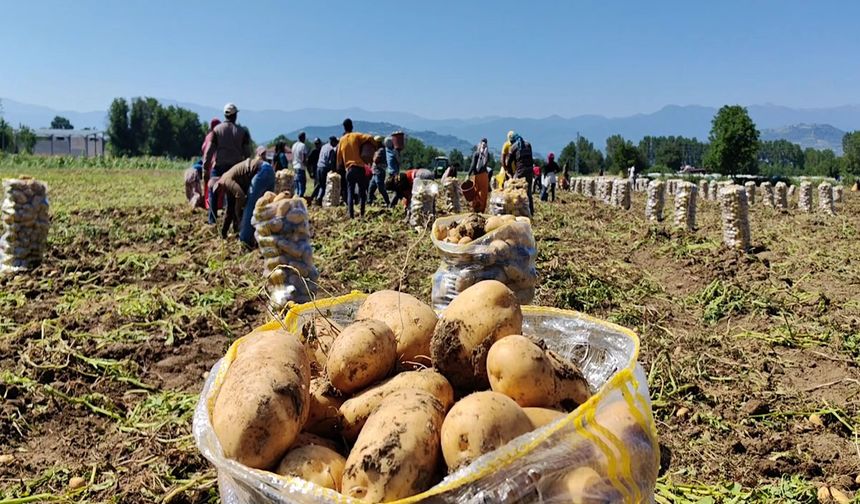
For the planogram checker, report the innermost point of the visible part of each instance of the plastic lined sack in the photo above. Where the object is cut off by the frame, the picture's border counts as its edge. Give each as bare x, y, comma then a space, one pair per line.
422, 207
451, 199
506, 254
610, 437
283, 235
24, 223
512, 199
331, 198
285, 182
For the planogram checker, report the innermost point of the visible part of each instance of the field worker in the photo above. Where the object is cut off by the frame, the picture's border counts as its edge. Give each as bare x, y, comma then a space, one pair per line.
236, 183
392, 157
193, 189
349, 161
549, 176
379, 168
401, 184
230, 145
279, 161
313, 159
507, 165
261, 183
520, 156
207, 167
326, 163
480, 171
300, 161
536, 182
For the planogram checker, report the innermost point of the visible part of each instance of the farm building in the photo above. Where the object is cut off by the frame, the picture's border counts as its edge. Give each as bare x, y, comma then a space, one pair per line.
60, 142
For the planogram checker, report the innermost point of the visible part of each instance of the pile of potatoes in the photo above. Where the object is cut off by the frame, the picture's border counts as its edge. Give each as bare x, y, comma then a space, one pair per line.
512, 199
24, 223
384, 408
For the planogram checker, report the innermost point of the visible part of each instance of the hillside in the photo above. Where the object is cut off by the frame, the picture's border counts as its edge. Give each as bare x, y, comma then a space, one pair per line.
443, 142
816, 136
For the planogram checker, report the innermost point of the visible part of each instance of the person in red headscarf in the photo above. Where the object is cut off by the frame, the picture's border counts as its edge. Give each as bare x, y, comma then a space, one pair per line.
549, 177
207, 165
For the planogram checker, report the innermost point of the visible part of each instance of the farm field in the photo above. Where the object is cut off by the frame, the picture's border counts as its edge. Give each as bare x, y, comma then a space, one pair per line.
752, 359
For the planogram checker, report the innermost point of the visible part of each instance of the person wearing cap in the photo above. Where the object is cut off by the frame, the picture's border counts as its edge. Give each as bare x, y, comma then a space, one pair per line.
480, 172
300, 162
549, 174
237, 183
230, 144
349, 161
325, 164
380, 165
313, 159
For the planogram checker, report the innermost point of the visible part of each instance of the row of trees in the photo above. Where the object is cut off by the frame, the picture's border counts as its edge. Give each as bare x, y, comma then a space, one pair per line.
148, 128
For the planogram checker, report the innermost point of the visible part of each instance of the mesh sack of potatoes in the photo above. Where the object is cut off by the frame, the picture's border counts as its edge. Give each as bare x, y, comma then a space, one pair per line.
656, 201
24, 223
780, 194
511, 199
283, 234
422, 207
825, 199
285, 182
604, 190
685, 205
804, 197
451, 199
602, 450
767, 197
332, 196
590, 187
621, 193
476, 247
735, 216
749, 188
838, 193
792, 192
704, 188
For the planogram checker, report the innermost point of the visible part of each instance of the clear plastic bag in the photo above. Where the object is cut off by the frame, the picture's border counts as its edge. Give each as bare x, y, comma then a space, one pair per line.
512, 199
332, 190
451, 199
422, 206
24, 223
506, 254
611, 437
283, 235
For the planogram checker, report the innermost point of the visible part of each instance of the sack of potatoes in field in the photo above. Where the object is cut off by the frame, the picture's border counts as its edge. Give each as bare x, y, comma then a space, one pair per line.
24, 223
475, 247
512, 199
451, 199
284, 236
285, 182
422, 206
332, 196
378, 398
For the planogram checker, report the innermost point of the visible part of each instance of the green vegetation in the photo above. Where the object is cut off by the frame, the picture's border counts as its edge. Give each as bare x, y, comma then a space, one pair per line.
733, 142
147, 128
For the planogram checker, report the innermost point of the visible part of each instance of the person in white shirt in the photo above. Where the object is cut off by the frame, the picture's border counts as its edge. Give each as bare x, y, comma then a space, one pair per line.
300, 160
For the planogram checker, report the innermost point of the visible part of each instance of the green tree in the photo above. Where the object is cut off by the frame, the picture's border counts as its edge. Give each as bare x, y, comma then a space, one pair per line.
120, 141
780, 157
851, 153
821, 162
621, 154
567, 157
7, 137
160, 135
60, 122
417, 155
457, 157
188, 132
734, 142
140, 123
25, 140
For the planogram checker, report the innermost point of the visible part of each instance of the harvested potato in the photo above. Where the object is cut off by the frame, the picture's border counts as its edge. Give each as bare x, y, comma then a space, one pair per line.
314, 463
397, 452
324, 415
364, 353
582, 485
468, 327
617, 418
411, 321
542, 416
264, 400
306, 438
355, 411
478, 424
534, 376
318, 334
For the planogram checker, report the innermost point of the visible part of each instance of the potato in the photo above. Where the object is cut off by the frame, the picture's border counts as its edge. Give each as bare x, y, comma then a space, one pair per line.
542, 416
534, 376
397, 452
411, 321
355, 411
364, 353
306, 438
324, 415
314, 463
617, 418
264, 400
478, 424
318, 334
582, 485
473, 321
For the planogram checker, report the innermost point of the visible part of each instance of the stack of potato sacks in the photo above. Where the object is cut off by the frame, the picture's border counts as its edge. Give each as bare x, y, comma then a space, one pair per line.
422, 207
284, 236
332, 190
25, 223
352, 408
825, 199
285, 182
512, 199
749, 187
804, 197
735, 216
451, 199
685, 205
656, 201
474, 248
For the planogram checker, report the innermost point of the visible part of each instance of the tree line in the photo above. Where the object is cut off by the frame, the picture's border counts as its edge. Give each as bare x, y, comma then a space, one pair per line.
148, 128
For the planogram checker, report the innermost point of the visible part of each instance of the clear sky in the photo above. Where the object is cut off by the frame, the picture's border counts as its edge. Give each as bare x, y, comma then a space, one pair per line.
438, 59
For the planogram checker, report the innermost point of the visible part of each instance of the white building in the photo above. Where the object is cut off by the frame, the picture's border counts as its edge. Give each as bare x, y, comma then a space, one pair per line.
63, 142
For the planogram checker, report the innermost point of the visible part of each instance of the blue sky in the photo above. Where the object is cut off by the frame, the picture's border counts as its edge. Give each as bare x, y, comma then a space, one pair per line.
434, 58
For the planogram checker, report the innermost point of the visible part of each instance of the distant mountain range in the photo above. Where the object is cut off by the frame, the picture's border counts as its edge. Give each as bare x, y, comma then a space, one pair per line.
546, 134
817, 136
444, 142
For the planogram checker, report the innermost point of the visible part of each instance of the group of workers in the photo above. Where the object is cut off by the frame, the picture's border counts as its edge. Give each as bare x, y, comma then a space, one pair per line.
228, 176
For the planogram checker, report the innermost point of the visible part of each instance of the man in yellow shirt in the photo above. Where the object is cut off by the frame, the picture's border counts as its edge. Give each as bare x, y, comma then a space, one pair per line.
350, 161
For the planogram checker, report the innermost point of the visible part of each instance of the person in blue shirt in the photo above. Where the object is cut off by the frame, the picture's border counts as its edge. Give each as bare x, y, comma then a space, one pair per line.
262, 182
